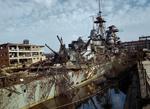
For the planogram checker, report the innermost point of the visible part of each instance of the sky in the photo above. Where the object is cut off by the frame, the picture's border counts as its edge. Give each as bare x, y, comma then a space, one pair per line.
41, 21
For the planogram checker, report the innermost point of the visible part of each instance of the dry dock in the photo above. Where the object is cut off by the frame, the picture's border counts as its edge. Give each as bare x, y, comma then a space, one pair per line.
146, 65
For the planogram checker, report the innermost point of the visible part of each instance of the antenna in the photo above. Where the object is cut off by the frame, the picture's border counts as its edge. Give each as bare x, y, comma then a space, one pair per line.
99, 5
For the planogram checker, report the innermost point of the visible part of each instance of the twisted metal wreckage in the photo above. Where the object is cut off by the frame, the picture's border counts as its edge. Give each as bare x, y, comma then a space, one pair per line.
65, 71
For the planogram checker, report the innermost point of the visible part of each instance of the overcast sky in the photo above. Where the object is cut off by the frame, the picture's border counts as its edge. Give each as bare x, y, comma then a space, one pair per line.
41, 20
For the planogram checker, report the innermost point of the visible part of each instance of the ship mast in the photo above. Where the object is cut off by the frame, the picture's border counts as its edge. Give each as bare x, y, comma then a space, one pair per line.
100, 21
99, 3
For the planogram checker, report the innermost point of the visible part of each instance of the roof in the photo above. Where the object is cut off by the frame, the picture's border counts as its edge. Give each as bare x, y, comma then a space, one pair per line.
19, 44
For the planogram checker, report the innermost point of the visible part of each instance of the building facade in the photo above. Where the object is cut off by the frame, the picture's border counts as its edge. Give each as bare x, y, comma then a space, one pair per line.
142, 43
12, 54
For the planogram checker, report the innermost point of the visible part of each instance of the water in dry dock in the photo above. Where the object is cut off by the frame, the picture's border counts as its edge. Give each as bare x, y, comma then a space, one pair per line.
116, 101
90, 96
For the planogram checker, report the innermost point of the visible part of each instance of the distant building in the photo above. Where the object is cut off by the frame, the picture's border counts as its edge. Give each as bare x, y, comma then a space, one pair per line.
13, 54
142, 43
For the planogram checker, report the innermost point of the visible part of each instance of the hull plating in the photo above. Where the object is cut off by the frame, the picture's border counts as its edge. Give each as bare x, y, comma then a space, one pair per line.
35, 92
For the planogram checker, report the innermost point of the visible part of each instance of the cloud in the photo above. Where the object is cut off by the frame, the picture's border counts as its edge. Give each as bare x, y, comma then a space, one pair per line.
44, 19
45, 2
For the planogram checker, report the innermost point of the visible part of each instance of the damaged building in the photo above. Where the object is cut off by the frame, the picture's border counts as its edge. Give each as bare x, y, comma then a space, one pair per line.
14, 54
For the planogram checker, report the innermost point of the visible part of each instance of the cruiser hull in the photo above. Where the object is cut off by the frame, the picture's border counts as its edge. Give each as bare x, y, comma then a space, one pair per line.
22, 96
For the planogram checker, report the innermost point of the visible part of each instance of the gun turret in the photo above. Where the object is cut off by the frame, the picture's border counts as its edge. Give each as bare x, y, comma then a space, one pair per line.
61, 56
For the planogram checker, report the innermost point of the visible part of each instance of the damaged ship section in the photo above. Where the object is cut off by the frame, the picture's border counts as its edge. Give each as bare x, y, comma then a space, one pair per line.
66, 70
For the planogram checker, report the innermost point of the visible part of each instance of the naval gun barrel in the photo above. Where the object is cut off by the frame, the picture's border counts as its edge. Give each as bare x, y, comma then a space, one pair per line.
51, 49
60, 40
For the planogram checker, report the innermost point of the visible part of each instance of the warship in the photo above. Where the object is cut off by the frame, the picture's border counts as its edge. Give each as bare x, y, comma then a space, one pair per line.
66, 70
